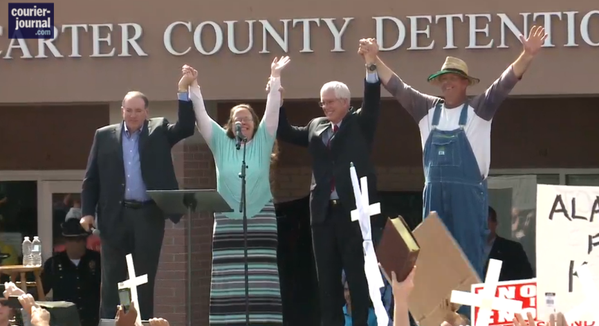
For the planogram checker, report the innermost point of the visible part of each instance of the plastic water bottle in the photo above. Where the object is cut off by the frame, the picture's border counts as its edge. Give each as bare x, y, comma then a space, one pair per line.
36, 251
26, 252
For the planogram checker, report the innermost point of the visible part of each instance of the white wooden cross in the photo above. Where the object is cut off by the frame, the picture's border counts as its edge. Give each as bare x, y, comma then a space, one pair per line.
362, 200
132, 283
486, 300
362, 214
590, 292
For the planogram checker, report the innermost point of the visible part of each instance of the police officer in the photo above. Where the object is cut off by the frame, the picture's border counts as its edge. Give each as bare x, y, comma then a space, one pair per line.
74, 274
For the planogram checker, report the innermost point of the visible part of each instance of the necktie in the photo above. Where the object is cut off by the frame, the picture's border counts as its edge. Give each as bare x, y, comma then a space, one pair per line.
335, 128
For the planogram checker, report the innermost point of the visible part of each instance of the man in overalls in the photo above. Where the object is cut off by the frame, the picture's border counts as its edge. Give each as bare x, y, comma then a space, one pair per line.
456, 140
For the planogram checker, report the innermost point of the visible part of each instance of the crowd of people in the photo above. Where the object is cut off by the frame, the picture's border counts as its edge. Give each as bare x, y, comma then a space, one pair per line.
131, 157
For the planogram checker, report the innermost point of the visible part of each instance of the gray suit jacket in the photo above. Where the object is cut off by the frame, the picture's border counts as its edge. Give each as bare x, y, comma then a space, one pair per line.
104, 182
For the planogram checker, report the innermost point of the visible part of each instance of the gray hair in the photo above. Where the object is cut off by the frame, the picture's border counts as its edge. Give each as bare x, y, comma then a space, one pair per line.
341, 90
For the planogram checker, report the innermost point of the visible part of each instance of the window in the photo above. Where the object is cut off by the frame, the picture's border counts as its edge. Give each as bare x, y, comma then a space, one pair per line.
18, 217
546, 179
582, 180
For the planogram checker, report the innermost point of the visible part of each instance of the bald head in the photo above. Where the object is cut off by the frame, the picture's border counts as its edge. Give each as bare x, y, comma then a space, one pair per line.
135, 110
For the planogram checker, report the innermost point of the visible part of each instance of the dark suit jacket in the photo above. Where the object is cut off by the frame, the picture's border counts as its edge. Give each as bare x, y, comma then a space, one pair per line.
104, 182
515, 262
352, 143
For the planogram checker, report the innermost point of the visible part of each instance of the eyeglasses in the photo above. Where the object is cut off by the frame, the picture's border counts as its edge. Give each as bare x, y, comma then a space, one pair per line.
326, 102
244, 119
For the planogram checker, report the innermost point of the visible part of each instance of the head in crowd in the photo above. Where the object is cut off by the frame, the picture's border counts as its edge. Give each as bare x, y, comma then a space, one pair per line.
492, 221
346, 292
453, 79
75, 238
335, 100
135, 110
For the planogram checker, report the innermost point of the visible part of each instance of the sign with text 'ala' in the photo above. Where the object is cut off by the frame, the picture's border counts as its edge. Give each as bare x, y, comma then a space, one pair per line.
568, 251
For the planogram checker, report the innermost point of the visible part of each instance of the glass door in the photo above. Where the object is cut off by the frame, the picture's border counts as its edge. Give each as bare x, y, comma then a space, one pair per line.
514, 199
60, 200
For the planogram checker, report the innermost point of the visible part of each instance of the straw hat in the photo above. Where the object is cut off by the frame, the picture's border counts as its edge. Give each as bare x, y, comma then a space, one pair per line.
453, 65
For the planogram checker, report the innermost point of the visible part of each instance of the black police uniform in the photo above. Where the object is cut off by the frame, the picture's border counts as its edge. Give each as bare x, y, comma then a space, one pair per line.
79, 284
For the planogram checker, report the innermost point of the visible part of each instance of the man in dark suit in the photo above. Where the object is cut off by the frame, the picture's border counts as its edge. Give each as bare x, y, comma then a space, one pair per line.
515, 262
342, 136
125, 160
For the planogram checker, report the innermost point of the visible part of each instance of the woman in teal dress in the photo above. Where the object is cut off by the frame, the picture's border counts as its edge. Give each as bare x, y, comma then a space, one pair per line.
227, 290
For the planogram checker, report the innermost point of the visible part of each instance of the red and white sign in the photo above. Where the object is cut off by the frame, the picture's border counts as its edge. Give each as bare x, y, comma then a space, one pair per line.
523, 290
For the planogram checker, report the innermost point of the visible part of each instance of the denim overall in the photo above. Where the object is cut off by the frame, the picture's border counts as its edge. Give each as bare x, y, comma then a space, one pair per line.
456, 189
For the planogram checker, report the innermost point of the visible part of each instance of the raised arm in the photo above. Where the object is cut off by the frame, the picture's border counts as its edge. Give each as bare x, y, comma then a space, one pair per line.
203, 120
291, 134
184, 127
487, 104
273, 101
532, 45
401, 292
416, 103
371, 103
90, 189
206, 125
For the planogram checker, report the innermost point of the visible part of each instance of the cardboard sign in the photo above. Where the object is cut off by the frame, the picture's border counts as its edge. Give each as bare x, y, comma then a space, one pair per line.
441, 268
525, 291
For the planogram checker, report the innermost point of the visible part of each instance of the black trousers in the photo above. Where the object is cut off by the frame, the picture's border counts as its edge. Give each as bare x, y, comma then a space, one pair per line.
337, 246
141, 234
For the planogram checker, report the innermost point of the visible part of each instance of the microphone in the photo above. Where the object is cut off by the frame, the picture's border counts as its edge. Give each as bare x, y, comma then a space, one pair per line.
238, 135
94, 231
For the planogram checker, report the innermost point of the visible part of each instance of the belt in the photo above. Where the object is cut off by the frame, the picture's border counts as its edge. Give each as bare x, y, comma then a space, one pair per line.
134, 204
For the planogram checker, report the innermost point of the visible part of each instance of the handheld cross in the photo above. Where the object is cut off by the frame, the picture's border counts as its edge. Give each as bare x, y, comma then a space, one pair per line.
362, 214
132, 283
363, 201
591, 292
486, 300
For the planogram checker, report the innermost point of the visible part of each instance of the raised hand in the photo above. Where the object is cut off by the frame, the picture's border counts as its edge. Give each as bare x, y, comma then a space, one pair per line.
368, 49
519, 320
123, 318
11, 290
39, 316
404, 288
27, 302
158, 322
278, 65
194, 74
535, 40
187, 78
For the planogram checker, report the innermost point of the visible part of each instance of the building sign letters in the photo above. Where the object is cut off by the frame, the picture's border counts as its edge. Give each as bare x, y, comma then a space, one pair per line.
409, 33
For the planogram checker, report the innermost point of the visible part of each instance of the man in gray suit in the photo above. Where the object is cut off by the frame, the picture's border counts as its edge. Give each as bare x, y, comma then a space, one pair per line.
125, 160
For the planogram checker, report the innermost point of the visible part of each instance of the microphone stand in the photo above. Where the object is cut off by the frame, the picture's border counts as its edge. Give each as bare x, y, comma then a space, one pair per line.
242, 208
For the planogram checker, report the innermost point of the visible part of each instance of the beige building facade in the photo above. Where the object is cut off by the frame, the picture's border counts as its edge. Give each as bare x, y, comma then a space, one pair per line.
55, 93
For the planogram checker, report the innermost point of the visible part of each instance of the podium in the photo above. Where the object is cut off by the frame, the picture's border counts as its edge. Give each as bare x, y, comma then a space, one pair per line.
187, 202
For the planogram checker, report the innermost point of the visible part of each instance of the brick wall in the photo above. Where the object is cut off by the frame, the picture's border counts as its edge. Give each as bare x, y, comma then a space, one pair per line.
56, 137
195, 170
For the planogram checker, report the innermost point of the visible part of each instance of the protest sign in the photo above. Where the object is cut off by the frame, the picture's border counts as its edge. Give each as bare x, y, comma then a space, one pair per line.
523, 290
568, 238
